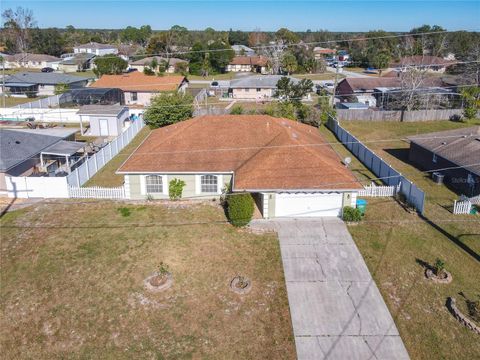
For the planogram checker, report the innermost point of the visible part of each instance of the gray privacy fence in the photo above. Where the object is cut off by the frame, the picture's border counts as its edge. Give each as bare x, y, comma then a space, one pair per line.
384, 171
394, 115
84, 172
48, 102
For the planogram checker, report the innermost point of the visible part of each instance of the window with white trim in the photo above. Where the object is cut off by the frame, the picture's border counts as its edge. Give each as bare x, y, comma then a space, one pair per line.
208, 183
154, 184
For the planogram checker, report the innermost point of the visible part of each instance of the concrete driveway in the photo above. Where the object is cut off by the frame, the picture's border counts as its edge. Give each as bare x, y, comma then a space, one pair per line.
336, 308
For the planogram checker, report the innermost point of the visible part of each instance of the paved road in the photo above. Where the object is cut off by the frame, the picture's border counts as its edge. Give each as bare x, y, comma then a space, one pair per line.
347, 73
336, 308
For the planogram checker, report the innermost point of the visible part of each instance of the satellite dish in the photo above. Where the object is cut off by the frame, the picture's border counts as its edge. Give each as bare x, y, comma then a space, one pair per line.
347, 161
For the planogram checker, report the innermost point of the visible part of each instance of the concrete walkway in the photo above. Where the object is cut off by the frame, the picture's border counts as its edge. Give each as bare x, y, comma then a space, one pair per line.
337, 311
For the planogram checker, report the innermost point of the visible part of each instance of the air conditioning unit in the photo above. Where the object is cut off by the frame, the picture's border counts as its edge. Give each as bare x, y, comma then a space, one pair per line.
437, 177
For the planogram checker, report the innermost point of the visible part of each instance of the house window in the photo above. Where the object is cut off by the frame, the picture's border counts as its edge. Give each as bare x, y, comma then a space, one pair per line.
209, 184
434, 158
247, 90
258, 89
134, 96
154, 184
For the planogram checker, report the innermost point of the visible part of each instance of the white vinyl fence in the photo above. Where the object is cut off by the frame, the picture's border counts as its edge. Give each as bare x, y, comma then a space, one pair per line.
90, 167
96, 192
464, 206
379, 191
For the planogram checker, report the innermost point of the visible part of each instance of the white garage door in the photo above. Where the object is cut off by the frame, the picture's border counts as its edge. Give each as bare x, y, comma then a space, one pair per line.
308, 205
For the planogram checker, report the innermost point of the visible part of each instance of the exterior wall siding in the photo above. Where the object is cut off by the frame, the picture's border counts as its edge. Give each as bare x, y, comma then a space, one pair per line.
137, 186
252, 94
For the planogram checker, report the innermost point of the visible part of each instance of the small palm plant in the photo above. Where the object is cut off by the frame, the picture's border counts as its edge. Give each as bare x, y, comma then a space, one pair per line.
439, 267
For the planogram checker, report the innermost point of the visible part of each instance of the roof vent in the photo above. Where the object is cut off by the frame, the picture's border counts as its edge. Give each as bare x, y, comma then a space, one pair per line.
444, 143
17, 142
294, 135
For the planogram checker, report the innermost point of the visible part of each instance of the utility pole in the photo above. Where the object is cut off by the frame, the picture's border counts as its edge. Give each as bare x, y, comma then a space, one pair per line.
335, 86
3, 81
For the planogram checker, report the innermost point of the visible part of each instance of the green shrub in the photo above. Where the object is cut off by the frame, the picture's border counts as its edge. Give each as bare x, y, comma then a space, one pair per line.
239, 208
439, 266
175, 189
351, 214
236, 110
124, 211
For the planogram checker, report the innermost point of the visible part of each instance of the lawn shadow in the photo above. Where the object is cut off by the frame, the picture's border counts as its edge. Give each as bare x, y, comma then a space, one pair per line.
424, 264
400, 153
452, 238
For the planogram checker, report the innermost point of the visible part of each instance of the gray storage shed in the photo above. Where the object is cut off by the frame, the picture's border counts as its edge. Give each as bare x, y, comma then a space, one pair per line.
105, 120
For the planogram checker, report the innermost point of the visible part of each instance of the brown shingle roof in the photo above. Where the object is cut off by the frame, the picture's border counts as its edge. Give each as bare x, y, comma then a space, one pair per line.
389, 81
148, 60
265, 153
138, 81
24, 57
460, 146
249, 60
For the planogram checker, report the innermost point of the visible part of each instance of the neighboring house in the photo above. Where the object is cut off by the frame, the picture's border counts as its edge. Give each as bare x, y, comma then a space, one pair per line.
272, 158
456, 152
139, 88
255, 88
243, 50
32, 61
96, 49
77, 62
321, 53
44, 152
429, 63
32, 84
257, 64
105, 120
372, 91
173, 64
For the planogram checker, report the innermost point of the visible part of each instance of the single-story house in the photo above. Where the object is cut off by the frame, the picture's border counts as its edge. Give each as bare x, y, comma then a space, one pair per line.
255, 88
321, 53
33, 61
369, 90
44, 152
243, 50
287, 166
105, 120
429, 63
456, 152
77, 62
39, 83
96, 49
139, 88
174, 64
257, 64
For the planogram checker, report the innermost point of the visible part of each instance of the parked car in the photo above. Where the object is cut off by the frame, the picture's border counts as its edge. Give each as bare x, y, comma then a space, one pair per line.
48, 70
215, 85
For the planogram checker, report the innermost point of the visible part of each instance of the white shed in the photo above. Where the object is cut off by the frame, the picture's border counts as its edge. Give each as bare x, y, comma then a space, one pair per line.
105, 120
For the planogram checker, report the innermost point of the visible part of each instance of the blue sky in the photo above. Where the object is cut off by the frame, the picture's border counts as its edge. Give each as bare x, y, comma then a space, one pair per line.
247, 15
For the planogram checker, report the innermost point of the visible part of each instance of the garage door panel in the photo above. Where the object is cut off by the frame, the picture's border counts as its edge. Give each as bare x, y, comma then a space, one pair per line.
308, 205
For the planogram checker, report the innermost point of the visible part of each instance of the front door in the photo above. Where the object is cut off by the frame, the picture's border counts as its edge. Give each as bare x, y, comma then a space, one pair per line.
103, 127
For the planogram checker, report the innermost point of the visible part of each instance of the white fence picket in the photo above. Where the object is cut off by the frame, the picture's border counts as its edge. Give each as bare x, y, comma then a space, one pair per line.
462, 207
96, 192
378, 191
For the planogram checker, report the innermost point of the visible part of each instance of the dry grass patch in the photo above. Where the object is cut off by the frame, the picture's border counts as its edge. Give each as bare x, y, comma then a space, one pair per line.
72, 284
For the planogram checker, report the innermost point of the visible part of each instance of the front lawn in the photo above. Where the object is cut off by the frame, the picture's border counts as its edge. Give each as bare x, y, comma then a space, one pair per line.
72, 273
395, 243
11, 101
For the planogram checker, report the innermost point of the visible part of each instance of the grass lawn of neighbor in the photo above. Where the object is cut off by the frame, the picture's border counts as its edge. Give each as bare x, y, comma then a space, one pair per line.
72, 284
395, 243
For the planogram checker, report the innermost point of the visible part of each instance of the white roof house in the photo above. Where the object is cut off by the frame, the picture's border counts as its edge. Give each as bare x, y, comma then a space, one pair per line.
96, 49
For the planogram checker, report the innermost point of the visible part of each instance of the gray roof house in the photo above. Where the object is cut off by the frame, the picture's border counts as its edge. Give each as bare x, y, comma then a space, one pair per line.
243, 50
456, 152
39, 83
26, 152
256, 88
77, 62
